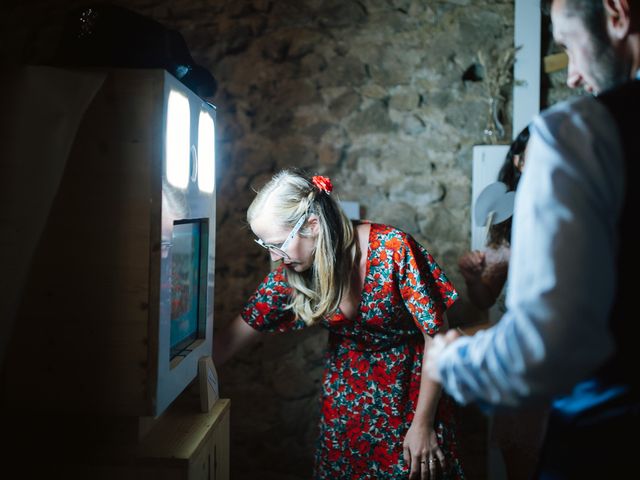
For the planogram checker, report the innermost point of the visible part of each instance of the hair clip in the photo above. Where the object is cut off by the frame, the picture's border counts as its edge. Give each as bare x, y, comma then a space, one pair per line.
322, 183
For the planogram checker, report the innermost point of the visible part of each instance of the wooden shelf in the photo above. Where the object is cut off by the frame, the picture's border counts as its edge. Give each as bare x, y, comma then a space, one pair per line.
182, 444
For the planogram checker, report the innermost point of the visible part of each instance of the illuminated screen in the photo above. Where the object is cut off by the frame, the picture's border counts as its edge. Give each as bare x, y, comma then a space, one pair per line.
188, 285
177, 138
206, 153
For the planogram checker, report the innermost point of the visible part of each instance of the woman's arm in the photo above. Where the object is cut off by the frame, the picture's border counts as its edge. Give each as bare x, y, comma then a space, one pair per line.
484, 280
421, 444
233, 337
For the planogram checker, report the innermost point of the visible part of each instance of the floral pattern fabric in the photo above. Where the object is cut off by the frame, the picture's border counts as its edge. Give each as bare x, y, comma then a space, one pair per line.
373, 363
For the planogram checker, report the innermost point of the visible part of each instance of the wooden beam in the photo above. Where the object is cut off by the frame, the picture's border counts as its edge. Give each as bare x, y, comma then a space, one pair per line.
555, 62
526, 71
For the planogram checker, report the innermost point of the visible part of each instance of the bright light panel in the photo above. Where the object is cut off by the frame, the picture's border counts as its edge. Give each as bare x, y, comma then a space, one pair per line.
178, 136
206, 153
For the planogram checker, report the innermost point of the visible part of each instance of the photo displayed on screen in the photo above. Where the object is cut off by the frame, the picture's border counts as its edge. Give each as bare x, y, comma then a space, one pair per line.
185, 286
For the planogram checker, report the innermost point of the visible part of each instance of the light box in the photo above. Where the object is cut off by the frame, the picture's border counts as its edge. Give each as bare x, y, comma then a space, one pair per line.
118, 304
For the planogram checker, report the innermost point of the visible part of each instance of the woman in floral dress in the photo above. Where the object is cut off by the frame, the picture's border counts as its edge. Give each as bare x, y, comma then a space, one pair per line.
382, 297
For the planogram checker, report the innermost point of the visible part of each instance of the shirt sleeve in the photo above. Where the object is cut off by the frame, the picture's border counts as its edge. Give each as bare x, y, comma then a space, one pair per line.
424, 287
266, 310
561, 274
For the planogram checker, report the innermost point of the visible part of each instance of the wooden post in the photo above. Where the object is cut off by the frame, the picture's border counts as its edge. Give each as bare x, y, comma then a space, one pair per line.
526, 71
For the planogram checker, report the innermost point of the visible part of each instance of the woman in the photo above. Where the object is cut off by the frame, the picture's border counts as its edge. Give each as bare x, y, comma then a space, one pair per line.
485, 272
382, 297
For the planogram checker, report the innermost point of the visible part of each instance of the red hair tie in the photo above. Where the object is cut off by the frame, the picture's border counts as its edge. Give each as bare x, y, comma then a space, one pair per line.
322, 183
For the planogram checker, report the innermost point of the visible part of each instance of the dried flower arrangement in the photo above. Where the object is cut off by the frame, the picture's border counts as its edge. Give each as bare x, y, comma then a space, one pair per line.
498, 75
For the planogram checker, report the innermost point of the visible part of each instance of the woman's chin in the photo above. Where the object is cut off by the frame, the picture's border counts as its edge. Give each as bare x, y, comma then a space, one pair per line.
296, 267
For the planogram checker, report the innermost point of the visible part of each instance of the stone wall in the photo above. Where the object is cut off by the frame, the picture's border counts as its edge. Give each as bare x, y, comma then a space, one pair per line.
387, 97
370, 93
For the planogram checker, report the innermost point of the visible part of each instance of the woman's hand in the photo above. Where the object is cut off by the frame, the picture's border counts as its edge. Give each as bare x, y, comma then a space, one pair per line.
422, 453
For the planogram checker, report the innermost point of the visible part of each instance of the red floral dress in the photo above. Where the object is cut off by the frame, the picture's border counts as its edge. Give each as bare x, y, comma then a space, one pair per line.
373, 363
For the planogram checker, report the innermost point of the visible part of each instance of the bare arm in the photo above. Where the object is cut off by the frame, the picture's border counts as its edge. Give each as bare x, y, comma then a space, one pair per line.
420, 443
484, 279
233, 337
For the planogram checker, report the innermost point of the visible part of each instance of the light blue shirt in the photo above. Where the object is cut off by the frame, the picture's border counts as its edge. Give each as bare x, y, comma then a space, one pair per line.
562, 268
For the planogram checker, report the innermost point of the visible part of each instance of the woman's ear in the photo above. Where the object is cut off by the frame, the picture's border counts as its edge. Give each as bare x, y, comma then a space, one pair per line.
517, 158
313, 223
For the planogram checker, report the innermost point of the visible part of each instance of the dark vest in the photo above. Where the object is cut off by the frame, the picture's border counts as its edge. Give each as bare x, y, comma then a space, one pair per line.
589, 441
624, 104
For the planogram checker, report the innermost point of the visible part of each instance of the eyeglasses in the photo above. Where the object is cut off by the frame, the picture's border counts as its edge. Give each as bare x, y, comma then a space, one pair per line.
280, 251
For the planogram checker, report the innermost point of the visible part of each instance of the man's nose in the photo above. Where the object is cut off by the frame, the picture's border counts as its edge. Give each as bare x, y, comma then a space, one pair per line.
574, 79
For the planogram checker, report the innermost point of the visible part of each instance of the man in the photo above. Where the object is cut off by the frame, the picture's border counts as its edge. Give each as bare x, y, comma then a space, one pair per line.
568, 333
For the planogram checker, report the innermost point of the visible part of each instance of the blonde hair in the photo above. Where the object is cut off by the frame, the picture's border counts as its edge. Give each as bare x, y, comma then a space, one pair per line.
317, 292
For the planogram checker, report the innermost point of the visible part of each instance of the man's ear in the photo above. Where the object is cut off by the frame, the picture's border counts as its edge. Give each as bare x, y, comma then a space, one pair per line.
618, 18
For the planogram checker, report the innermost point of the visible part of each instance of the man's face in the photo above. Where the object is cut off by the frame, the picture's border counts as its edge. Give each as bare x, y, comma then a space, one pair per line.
594, 63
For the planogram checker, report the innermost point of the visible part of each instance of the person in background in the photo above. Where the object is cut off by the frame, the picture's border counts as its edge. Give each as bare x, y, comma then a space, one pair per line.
517, 435
568, 333
382, 297
485, 272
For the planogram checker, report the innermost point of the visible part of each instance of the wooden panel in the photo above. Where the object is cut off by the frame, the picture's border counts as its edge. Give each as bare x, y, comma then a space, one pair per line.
487, 161
184, 444
87, 301
220, 447
555, 62
181, 431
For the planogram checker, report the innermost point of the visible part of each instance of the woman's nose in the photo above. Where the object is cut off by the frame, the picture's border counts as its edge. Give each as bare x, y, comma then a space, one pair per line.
275, 256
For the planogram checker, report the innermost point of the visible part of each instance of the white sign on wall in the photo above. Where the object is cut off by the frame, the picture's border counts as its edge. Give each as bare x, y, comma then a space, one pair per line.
487, 160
